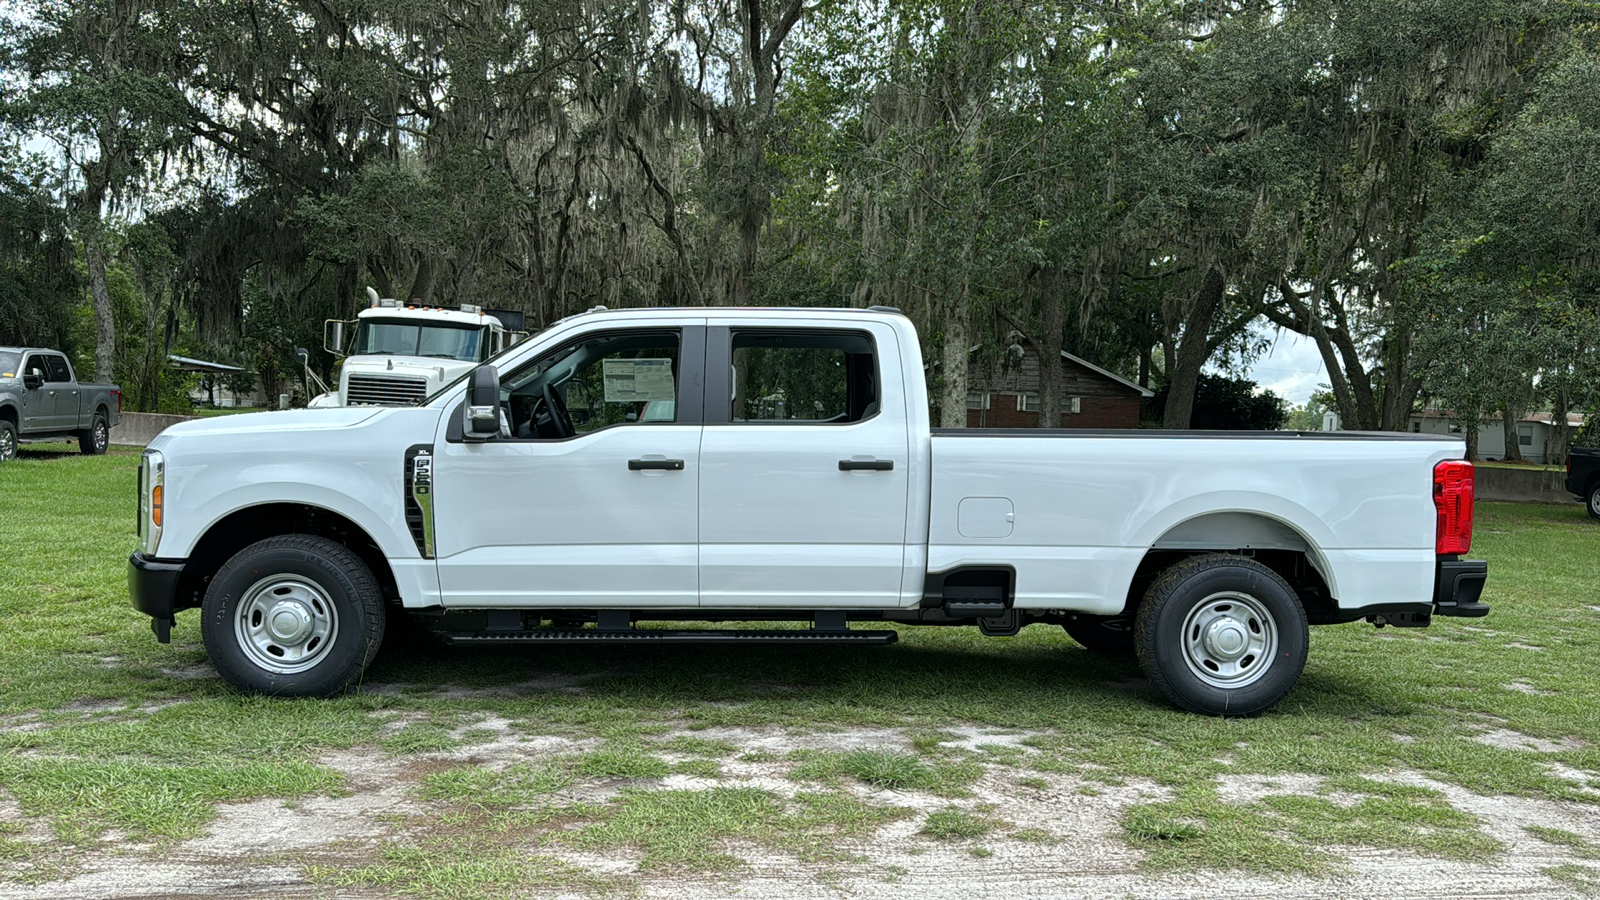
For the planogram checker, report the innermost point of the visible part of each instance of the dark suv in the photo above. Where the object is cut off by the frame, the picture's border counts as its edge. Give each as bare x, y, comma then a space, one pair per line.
1583, 476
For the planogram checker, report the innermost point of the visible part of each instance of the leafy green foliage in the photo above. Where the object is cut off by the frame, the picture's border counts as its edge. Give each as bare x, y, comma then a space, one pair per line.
1232, 404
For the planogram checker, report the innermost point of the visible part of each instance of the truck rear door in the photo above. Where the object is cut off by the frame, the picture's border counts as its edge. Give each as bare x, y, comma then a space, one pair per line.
804, 459
64, 387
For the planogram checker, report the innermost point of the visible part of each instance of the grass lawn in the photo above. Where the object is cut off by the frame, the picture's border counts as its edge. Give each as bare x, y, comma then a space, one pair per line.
109, 739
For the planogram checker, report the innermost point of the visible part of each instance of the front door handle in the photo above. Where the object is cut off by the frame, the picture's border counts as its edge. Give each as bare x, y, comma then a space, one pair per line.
870, 465
671, 465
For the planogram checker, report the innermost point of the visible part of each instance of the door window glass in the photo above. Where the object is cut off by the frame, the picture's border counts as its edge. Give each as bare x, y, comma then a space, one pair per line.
803, 377
616, 378
56, 367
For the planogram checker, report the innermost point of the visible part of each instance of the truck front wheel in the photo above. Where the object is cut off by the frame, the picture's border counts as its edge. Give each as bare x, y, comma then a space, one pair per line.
293, 616
1222, 636
8, 441
1594, 500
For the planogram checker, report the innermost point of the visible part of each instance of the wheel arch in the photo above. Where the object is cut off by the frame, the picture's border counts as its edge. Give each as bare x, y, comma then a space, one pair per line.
247, 525
8, 412
1270, 539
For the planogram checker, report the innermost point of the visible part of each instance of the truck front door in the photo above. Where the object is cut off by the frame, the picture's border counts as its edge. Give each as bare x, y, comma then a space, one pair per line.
585, 501
803, 484
38, 403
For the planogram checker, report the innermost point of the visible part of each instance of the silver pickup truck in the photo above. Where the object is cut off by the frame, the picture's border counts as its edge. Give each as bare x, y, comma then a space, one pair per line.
41, 399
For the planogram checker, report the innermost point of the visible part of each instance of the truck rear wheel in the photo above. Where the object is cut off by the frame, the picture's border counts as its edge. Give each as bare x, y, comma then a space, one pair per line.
92, 441
293, 616
1111, 635
1594, 499
1222, 636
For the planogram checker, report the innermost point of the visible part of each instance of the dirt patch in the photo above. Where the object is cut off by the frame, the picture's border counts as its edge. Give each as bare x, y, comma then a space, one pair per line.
1057, 835
1506, 739
1525, 688
974, 739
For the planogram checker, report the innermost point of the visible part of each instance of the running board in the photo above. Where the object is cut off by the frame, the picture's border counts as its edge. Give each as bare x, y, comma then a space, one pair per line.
665, 636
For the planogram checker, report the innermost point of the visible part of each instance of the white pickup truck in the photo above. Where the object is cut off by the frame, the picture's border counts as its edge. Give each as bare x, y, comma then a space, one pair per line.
633, 467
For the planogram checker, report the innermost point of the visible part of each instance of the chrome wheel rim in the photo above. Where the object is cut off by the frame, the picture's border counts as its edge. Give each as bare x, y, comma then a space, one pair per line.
286, 624
1229, 640
100, 435
1594, 502
8, 445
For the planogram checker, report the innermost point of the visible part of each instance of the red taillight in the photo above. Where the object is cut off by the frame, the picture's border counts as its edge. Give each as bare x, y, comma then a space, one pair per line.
1452, 497
118, 395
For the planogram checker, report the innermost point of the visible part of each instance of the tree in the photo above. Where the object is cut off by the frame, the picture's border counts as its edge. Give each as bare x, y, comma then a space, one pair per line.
1231, 404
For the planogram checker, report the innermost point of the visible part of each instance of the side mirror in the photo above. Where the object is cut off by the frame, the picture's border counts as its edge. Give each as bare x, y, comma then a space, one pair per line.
333, 336
482, 412
32, 381
302, 356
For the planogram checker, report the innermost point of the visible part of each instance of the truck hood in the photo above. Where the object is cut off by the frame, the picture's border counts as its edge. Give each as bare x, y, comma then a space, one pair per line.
282, 422
413, 366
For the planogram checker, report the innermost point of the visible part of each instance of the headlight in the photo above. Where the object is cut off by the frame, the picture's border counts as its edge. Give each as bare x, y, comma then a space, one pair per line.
152, 481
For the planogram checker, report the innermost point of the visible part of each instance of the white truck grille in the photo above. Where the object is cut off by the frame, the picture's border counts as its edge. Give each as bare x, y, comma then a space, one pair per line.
385, 390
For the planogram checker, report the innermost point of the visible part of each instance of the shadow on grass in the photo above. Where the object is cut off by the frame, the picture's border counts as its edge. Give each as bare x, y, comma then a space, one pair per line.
25, 452
949, 675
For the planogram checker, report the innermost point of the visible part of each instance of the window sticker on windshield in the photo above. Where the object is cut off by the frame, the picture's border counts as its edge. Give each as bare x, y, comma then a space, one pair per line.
635, 380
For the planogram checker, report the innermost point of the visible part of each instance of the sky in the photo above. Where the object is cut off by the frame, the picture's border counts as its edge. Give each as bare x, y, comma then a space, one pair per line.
1293, 368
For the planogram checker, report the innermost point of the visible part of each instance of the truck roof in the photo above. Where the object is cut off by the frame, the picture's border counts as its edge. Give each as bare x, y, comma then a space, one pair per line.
428, 313
828, 312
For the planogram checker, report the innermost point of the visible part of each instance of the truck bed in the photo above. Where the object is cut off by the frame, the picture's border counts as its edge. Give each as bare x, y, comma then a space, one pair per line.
1085, 506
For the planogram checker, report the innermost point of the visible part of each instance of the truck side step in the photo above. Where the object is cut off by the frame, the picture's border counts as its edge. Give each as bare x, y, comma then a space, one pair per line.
665, 636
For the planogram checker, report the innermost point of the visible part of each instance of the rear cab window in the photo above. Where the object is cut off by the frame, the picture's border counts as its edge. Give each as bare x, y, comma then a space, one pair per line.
801, 377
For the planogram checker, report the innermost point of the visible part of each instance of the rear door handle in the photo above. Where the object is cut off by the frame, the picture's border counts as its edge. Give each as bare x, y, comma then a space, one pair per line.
671, 465
871, 465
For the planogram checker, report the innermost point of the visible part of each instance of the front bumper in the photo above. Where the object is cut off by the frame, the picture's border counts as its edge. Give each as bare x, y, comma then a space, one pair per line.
153, 586
1457, 587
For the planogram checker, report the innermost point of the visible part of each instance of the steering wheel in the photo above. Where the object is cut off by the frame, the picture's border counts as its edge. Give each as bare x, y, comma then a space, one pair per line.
560, 419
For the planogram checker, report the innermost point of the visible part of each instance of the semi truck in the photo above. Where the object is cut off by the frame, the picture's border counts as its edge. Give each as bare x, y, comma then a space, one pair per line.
395, 354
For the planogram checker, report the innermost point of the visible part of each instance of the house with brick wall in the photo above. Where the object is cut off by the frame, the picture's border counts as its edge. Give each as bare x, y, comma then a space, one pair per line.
1004, 393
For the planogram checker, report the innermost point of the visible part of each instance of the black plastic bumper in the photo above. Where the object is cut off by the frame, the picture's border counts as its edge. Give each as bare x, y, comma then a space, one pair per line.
1457, 587
153, 585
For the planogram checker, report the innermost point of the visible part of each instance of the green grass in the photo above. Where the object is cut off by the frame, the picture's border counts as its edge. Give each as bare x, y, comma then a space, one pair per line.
888, 770
103, 731
1292, 832
955, 825
688, 830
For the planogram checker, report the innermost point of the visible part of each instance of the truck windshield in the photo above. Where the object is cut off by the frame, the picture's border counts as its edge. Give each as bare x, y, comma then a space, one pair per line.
403, 338
8, 362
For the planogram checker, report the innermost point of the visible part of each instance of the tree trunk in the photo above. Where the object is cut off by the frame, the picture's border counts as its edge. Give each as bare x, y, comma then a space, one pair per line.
1472, 441
1053, 316
1191, 358
1508, 420
953, 360
105, 345
422, 285
1555, 451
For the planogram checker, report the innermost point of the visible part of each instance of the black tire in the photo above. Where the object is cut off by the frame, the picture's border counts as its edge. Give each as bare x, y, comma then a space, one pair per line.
1222, 636
92, 441
293, 616
8, 441
1594, 500
1111, 635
